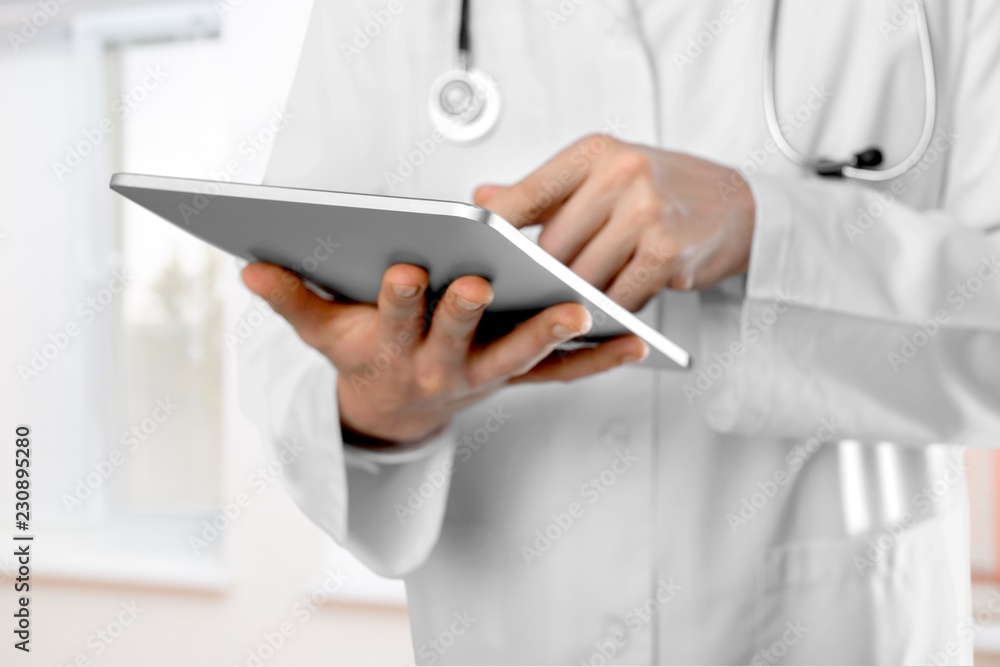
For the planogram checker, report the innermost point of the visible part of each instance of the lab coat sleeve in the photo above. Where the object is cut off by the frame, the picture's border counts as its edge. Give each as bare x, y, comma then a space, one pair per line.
884, 325
369, 501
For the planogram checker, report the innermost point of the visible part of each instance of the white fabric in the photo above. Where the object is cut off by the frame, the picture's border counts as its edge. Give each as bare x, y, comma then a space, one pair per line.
751, 510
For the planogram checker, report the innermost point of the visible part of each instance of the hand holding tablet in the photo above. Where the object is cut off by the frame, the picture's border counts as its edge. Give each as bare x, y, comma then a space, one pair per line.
459, 301
424, 374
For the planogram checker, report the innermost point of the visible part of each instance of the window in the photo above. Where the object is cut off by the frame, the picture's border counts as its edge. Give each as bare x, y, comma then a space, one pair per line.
139, 413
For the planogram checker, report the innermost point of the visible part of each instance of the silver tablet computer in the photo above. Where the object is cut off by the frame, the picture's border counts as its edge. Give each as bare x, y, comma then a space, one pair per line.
343, 242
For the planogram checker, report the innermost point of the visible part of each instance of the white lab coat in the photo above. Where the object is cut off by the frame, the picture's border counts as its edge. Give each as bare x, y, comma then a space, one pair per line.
751, 510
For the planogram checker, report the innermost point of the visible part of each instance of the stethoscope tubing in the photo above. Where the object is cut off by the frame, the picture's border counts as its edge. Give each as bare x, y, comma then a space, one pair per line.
847, 170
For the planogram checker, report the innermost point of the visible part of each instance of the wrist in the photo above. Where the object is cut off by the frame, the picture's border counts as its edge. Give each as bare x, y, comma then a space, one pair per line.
380, 430
745, 212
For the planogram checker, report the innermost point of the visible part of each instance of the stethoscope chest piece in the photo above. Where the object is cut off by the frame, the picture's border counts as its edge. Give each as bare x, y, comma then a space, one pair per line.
464, 105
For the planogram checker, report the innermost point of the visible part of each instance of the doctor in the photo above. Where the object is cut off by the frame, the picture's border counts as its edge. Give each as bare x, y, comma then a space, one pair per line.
798, 496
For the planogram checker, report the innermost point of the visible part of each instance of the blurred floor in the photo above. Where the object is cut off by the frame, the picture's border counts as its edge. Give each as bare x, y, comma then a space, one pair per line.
175, 628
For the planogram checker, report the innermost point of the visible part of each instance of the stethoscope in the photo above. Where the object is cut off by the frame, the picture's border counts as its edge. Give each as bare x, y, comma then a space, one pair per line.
464, 102
465, 106
861, 166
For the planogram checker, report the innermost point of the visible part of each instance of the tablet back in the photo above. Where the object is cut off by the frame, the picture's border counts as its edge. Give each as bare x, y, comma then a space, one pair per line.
343, 242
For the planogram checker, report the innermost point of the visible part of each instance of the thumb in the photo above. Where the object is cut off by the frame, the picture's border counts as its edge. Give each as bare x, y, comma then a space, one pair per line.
285, 292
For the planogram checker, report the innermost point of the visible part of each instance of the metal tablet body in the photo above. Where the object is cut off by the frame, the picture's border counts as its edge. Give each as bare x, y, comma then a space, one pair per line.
343, 242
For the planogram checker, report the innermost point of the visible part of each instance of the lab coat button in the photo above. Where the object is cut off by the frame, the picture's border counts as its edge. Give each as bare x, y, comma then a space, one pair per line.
615, 641
614, 434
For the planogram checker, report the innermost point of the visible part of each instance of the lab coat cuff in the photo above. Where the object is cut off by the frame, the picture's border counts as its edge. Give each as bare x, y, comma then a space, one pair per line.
737, 360
772, 238
733, 371
309, 425
372, 457
398, 502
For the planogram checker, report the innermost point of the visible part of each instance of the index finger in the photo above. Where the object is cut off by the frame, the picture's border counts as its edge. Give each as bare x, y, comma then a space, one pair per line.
537, 196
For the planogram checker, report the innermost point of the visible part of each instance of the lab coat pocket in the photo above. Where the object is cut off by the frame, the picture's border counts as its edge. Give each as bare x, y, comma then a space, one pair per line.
888, 597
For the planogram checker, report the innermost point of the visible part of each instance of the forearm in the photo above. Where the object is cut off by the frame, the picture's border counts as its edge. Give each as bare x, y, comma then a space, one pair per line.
895, 334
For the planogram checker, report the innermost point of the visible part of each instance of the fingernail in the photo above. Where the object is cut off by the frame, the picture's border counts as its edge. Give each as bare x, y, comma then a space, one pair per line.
562, 331
404, 291
632, 358
465, 304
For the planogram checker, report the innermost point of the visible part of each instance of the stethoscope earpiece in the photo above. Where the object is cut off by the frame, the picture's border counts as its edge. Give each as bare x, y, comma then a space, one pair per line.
866, 159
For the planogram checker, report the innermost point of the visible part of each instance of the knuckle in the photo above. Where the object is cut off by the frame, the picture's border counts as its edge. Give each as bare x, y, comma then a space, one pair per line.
645, 259
650, 207
433, 381
597, 142
647, 212
659, 253
452, 344
631, 165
